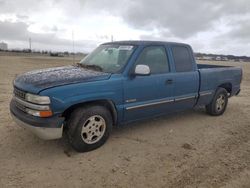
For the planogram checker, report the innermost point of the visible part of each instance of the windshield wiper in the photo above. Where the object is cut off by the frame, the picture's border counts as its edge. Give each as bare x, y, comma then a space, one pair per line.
93, 67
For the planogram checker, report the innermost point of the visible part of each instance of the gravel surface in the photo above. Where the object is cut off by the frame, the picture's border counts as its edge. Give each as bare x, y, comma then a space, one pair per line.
187, 149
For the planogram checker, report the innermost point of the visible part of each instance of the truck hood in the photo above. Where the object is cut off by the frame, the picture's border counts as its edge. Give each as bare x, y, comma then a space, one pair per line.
38, 80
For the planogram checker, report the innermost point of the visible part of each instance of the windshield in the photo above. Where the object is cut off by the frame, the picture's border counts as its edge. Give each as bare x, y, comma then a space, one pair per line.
109, 58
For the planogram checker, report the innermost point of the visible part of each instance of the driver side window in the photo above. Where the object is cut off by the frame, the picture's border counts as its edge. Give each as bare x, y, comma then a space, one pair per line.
156, 58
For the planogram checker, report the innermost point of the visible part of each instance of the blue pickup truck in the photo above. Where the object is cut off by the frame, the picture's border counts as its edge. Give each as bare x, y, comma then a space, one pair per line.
119, 82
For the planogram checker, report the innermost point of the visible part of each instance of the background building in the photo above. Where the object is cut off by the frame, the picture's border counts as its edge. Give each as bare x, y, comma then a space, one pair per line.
3, 46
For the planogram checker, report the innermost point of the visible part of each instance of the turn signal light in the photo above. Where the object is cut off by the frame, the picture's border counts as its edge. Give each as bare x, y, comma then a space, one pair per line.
44, 113
47, 113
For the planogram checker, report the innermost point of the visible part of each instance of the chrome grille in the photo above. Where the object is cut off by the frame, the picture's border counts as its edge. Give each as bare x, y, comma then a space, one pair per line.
20, 106
21, 95
18, 93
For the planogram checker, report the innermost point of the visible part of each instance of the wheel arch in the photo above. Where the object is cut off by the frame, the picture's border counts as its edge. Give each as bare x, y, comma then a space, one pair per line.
227, 86
102, 102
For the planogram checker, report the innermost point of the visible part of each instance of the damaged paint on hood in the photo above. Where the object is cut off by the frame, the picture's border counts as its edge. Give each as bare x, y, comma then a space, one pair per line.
51, 77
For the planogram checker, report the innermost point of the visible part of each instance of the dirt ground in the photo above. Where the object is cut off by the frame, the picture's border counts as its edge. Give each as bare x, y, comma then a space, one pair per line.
188, 149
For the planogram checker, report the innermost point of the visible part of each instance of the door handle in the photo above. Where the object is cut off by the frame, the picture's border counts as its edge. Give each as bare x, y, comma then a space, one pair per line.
169, 81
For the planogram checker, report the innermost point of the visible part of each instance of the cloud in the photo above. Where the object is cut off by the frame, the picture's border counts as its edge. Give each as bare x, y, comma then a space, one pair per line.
18, 32
179, 18
182, 18
22, 17
241, 31
209, 26
13, 31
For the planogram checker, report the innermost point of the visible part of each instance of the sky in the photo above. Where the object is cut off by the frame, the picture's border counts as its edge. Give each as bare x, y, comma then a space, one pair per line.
212, 26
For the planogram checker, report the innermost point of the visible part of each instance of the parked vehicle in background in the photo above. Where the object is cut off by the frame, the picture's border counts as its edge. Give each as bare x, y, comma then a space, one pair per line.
119, 82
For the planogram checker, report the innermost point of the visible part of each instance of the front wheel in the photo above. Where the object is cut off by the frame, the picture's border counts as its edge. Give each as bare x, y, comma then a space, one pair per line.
219, 103
89, 128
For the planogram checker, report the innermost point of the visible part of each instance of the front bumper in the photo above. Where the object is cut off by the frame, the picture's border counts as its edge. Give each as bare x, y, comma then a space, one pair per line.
238, 92
44, 128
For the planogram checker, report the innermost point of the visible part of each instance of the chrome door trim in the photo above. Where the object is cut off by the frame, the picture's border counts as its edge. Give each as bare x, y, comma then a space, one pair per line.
185, 98
203, 93
149, 104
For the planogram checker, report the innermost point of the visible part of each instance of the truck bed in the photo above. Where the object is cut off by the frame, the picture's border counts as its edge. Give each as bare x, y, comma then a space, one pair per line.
206, 66
214, 76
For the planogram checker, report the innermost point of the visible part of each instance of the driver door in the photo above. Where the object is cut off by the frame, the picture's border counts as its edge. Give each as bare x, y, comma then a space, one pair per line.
146, 95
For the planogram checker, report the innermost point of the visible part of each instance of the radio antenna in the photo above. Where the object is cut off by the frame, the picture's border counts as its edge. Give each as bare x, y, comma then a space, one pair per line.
30, 44
73, 45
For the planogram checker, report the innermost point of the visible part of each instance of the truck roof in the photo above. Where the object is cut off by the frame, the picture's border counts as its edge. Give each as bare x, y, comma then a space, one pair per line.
145, 42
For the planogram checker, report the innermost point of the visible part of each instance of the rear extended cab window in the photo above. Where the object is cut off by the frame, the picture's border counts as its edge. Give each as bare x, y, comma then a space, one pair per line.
182, 59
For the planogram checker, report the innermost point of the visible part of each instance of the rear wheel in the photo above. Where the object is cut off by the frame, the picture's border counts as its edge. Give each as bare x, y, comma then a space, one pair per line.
219, 103
89, 128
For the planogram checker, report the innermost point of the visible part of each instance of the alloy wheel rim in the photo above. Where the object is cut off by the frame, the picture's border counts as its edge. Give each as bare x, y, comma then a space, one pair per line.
220, 102
93, 129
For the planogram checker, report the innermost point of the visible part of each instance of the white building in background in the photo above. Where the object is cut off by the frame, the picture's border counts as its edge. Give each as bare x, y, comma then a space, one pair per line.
218, 58
3, 46
207, 58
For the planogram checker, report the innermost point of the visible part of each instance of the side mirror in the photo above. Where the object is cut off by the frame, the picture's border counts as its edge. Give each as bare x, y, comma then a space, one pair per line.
142, 70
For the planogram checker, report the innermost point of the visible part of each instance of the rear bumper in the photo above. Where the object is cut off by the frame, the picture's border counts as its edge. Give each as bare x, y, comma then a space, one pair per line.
235, 90
44, 128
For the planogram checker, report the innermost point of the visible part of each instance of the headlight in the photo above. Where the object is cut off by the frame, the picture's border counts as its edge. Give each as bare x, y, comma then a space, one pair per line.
37, 99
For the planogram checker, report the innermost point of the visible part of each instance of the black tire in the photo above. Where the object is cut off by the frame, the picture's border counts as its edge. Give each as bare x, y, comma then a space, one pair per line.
80, 120
213, 108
